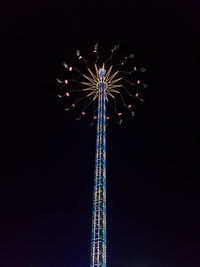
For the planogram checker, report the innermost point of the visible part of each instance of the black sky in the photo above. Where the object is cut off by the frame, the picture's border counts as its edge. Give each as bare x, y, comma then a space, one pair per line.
47, 158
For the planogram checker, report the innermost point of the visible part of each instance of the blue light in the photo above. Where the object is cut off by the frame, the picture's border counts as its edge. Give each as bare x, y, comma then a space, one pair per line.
102, 72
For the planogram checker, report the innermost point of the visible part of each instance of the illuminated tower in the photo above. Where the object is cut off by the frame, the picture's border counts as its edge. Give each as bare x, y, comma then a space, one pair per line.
103, 88
98, 242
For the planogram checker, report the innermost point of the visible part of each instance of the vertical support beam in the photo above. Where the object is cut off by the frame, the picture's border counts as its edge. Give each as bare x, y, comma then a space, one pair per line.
98, 243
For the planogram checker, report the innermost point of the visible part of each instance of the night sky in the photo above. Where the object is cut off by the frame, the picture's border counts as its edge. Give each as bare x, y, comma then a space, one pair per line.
47, 158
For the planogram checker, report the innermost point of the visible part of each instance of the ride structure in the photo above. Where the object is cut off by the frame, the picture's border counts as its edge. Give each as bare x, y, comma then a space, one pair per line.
102, 88
98, 239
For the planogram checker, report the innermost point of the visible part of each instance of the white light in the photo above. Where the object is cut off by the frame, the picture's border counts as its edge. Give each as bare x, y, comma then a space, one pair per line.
58, 80
142, 70
65, 65
78, 53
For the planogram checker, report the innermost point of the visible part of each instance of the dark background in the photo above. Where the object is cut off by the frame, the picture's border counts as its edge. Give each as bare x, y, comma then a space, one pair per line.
47, 158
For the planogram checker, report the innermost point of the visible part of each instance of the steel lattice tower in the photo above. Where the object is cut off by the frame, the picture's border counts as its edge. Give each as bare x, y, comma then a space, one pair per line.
98, 242
102, 85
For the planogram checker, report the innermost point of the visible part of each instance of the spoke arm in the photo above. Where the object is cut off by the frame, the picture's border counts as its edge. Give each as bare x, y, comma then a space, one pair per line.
92, 74
114, 81
108, 73
115, 86
90, 79
112, 77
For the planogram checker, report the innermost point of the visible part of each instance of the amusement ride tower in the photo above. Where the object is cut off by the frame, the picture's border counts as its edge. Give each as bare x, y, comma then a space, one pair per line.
98, 242
102, 85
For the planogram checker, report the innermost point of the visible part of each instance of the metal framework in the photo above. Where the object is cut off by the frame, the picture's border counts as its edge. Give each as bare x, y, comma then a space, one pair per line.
98, 242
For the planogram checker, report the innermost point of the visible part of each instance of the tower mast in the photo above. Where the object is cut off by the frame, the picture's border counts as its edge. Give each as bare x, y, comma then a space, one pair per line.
98, 242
